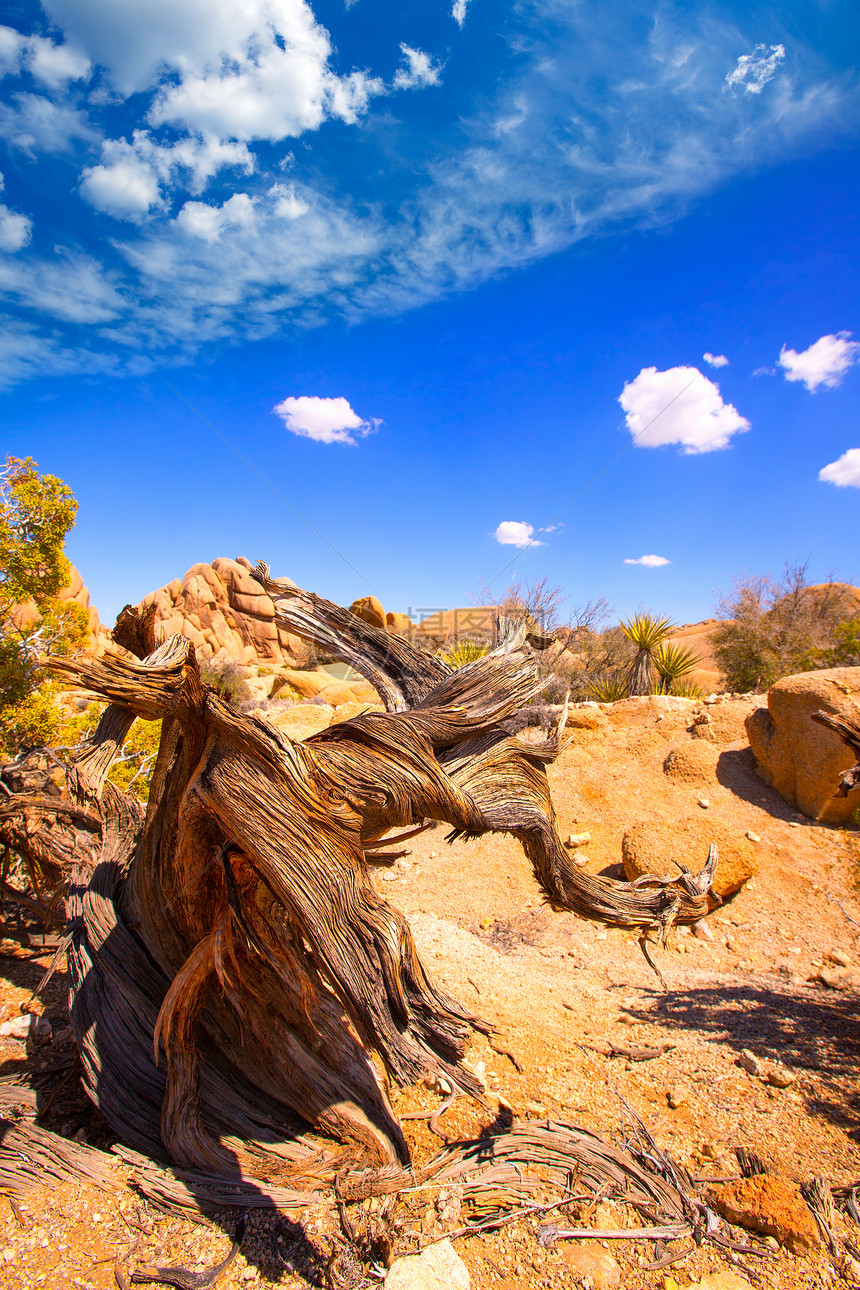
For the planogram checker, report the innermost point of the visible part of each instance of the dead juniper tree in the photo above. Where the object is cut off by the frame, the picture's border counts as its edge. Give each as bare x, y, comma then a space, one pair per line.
241, 995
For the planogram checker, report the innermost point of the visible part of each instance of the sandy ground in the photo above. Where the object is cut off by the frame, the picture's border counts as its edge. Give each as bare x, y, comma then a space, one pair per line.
561, 991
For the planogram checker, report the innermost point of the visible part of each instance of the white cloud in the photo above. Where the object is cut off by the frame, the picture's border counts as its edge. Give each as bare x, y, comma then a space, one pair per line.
243, 69
326, 420
650, 561
516, 533
35, 124
458, 13
53, 65
420, 70
824, 363
287, 204
715, 360
845, 471
128, 183
15, 230
67, 287
209, 222
753, 71
679, 406
126, 189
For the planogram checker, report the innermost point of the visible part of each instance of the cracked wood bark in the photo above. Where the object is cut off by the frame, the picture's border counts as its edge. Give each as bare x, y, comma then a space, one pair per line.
235, 975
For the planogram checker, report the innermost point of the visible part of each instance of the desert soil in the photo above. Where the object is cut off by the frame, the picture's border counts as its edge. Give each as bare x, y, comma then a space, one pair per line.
561, 991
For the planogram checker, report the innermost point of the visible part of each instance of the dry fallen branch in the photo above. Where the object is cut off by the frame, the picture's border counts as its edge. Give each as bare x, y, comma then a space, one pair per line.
238, 985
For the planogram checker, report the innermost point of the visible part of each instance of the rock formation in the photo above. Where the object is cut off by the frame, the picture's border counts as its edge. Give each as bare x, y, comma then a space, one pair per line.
223, 611
801, 759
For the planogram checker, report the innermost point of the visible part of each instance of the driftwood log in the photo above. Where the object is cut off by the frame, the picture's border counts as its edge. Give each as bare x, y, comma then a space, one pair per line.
241, 995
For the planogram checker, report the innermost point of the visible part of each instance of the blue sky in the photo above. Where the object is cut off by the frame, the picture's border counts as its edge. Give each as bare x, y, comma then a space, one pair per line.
445, 275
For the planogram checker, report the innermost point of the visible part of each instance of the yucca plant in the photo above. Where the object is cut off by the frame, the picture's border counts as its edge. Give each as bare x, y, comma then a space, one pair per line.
687, 690
609, 689
462, 652
646, 632
672, 662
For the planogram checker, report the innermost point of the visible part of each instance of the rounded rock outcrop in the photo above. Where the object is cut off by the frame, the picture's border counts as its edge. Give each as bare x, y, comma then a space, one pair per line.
801, 759
654, 847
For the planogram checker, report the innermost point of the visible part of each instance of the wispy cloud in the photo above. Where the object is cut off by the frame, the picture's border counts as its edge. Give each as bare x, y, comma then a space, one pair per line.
650, 561
458, 13
824, 363
845, 471
582, 130
753, 71
325, 420
715, 360
679, 406
418, 70
516, 533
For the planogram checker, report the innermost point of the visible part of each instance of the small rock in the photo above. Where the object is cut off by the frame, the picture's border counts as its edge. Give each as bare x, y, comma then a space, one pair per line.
753, 837
721, 1281
750, 1063
580, 861
592, 1261
838, 978
840, 958
712, 698
486, 922
768, 1205
31, 1025
702, 930
537, 1109
566, 1003
780, 1078
601, 936
704, 803
676, 1097
732, 945
710, 1150
578, 840
389, 877
439, 1267
793, 824
249, 1274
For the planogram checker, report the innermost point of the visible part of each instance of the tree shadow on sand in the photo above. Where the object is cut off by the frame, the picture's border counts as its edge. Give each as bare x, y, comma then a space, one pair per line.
808, 1031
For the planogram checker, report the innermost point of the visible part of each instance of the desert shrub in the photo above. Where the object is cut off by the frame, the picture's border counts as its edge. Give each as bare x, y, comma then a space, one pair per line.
772, 629
843, 650
227, 678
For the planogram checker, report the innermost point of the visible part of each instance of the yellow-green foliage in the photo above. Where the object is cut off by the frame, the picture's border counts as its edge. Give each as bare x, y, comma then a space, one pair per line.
36, 513
462, 653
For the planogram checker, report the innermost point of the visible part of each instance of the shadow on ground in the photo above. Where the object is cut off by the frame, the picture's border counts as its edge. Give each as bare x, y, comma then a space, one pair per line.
809, 1031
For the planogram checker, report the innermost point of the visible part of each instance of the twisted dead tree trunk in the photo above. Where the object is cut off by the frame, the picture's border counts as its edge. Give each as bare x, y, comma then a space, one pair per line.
235, 976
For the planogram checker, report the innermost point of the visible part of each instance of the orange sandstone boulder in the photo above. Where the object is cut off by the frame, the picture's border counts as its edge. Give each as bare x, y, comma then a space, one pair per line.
801, 759
370, 610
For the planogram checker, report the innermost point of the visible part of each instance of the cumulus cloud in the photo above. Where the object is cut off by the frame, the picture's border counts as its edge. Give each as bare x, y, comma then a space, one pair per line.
753, 71
209, 222
516, 533
845, 471
128, 182
650, 561
15, 230
715, 360
679, 406
326, 420
458, 13
419, 70
53, 65
824, 363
